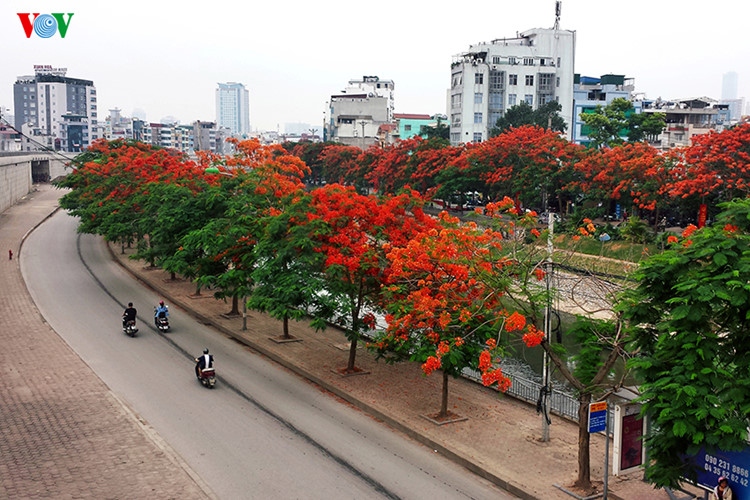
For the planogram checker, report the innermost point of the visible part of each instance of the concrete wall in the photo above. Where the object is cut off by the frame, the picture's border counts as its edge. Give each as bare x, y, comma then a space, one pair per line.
18, 172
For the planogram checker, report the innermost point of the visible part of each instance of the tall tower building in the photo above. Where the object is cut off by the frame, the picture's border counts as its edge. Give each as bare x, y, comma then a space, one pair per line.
535, 67
233, 108
59, 108
729, 86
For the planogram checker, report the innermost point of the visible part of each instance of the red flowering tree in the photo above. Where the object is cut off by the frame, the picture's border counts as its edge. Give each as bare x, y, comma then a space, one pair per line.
442, 311
352, 231
632, 174
343, 165
715, 166
257, 183
528, 162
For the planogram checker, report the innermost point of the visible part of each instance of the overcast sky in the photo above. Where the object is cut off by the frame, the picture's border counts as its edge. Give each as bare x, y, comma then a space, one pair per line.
165, 57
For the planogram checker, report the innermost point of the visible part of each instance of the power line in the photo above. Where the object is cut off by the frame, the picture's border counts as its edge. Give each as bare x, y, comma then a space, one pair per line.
45, 148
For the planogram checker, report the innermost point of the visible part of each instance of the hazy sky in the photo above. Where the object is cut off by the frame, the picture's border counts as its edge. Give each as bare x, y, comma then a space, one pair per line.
165, 57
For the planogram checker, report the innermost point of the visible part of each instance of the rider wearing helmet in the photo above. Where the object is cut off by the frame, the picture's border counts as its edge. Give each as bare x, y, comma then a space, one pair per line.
203, 362
162, 311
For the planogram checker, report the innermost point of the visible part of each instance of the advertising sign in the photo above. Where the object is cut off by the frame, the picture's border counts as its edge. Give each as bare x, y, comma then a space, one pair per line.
733, 465
629, 451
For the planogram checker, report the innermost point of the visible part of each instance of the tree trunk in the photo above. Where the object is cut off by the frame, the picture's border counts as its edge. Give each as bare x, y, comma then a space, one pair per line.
286, 328
197, 288
584, 463
172, 276
444, 397
352, 355
235, 306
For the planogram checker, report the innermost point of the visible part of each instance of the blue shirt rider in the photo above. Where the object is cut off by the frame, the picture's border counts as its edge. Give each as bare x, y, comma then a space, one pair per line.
162, 311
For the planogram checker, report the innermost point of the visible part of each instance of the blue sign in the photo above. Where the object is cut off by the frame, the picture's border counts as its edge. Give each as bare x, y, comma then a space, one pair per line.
597, 416
733, 465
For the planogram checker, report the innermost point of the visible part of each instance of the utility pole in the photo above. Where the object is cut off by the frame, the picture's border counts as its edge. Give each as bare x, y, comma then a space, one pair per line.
547, 388
363, 123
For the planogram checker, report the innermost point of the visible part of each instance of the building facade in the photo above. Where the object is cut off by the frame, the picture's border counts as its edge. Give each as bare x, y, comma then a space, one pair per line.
57, 106
233, 108
686, 118
590, 92
355, 115
536, 66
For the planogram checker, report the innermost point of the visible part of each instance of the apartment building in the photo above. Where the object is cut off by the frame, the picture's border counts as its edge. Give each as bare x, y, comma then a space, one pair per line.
233, 108
58, 106
355, 115
536, 66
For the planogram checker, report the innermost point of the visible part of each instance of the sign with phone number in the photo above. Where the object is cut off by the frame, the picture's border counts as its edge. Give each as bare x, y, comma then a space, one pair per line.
733, 465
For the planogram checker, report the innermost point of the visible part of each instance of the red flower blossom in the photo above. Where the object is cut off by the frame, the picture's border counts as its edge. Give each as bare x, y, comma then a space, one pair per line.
433, 363
533, 337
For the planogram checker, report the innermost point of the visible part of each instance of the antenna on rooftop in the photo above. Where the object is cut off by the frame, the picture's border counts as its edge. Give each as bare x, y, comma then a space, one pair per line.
558, 9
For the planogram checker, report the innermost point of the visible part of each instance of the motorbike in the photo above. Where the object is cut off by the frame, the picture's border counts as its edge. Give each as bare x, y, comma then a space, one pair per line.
207, 376
129, 328
161, 322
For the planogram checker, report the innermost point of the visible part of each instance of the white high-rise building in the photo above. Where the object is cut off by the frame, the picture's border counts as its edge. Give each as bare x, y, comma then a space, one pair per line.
233, 108
729, 84
536, 66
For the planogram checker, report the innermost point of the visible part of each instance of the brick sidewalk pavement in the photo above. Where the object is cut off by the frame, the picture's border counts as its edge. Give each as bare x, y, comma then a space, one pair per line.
63, 433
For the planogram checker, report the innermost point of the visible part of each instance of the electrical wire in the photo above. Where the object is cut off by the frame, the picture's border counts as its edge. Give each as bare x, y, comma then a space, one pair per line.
44, 148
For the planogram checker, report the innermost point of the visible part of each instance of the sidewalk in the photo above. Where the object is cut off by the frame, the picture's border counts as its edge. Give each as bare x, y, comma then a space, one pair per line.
64, 434
499, 439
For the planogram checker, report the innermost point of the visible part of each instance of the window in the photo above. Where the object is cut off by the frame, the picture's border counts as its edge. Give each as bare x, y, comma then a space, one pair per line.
495, 100
496, 80
407, 128
528, 61
477, 117
477, 137
495, 59
511, 99
529, 99
512, 79
512, 60
558, 81
529, 80
478, 98
479, 78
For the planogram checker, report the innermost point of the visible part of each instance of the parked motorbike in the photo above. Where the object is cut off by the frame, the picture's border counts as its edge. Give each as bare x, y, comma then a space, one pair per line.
161, 321
129, 328
207, 376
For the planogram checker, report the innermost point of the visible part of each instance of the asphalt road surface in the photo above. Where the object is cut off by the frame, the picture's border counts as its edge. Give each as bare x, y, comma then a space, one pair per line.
262, 432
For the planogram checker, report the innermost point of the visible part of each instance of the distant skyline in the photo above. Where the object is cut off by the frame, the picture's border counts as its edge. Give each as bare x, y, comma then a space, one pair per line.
166, 58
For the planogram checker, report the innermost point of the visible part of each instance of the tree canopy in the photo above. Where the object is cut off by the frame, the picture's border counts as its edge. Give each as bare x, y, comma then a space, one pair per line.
690, 314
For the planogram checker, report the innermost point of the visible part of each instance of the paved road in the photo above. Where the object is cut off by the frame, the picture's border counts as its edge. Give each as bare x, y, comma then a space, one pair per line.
262, 430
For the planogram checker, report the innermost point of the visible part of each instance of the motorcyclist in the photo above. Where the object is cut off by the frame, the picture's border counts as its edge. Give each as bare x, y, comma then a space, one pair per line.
129, 315
203, 362
161, 311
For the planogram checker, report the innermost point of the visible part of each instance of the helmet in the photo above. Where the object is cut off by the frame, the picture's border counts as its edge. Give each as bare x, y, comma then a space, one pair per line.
161, 302
130, 304
205, 351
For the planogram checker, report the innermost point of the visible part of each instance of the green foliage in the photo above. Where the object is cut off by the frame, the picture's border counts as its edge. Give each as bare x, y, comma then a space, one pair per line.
689, 315
545, 116
609, 125
592, 339
636, 230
